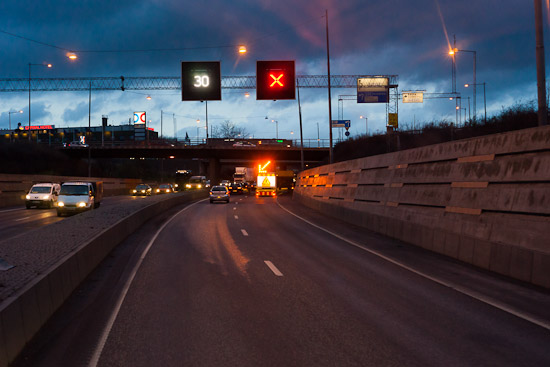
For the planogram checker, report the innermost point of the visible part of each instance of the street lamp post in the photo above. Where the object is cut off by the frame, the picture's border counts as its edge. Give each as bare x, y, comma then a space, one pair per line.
484, 98
474, 83
9, 120
31, 64
366, 124
276, 129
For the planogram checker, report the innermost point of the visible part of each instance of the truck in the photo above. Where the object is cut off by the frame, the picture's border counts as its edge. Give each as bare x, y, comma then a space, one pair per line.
266, 185
79, 196
244, 175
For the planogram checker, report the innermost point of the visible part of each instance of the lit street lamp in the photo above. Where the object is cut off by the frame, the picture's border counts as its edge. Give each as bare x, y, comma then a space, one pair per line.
9, 117
30, 64
474, 83
366, 123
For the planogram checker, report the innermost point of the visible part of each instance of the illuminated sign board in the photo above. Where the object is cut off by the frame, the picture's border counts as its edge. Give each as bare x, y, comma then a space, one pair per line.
413, 97
275, 80
139, 117
201, 81
266, 181
341, 123
373, 90
40, 127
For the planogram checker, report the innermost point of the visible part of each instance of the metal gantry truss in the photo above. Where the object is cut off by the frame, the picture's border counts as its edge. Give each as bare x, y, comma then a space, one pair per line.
393, 104
166, 83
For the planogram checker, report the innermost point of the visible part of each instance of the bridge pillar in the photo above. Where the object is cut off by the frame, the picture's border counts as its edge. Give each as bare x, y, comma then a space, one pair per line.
214, 171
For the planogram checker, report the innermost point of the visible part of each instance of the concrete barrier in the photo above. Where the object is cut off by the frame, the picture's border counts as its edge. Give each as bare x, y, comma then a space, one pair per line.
23, 313
484, 201
13, 188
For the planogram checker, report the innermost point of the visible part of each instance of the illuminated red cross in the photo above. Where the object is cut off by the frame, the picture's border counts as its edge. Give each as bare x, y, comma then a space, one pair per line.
276, 80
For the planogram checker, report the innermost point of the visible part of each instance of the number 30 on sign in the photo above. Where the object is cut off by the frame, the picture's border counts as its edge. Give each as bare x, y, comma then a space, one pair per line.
201, 81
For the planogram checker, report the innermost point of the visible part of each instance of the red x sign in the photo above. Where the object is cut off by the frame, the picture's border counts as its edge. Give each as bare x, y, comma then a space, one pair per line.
276, 80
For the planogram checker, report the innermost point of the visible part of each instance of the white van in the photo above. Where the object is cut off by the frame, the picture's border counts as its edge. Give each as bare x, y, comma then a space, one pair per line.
42, 194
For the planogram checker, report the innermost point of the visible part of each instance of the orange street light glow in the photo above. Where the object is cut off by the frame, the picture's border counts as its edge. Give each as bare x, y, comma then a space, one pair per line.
72, 56
49, 65
242, 49
148, 98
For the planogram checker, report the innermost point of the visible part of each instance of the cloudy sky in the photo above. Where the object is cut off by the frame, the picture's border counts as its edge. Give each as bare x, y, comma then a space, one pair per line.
149, 38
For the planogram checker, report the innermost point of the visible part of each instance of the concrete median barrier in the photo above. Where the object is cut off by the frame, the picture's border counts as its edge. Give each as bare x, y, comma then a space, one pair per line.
484, 201
30, 294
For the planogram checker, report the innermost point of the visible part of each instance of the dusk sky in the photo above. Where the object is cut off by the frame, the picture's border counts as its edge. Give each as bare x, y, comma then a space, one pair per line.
406, 38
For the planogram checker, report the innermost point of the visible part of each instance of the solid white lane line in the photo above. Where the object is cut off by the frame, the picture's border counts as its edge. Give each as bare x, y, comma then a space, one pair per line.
236, 217
244, 232
11, 210
103, 339
17, 220
273, 268
468, 292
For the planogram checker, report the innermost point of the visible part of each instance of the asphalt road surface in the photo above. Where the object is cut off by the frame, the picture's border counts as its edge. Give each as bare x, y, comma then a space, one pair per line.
250, 284
17, 220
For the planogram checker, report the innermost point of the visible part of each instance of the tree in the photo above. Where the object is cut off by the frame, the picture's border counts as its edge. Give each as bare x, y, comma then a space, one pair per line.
228, 129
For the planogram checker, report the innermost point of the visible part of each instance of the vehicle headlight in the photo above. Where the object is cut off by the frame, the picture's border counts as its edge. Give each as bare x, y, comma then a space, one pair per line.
82, 204
167, 190
188, 186
47, 197
176, 185
134, 191
199, 186
28, 197
158, 190
60, 203
143, 191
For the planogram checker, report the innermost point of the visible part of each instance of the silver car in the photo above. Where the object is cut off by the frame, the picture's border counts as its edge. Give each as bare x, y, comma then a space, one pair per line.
219, 193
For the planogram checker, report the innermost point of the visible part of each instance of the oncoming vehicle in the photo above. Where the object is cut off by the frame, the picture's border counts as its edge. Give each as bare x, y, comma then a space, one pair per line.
225, 183
219, 193
142, 189
42, 194
196, 182
79, 196
165, 189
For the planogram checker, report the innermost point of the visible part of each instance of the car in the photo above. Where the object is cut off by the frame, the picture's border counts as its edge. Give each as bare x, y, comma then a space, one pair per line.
244, 144
165, 188
225, 183
235, 188
77, 144
219, 193
42, 194
142, 189
196, 182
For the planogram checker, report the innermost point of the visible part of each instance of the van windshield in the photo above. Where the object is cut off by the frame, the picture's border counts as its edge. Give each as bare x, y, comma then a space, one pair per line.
40, 190
74, 190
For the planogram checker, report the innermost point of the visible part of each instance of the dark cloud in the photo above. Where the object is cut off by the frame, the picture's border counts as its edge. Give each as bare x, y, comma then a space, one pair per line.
407, 38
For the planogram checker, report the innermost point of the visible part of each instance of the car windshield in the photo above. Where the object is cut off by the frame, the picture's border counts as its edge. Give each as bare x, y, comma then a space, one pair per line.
195, 180
142, 187
40, 190
74, 190
164, 186
219, 188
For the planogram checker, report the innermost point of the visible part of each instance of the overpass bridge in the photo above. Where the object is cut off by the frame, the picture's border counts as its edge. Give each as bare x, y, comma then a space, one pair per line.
212, 156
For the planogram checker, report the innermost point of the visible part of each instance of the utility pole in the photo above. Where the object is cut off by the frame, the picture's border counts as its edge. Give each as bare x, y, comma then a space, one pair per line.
541, 72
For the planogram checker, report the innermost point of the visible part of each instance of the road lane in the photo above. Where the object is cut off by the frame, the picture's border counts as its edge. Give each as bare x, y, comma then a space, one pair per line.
14, 221
204, 296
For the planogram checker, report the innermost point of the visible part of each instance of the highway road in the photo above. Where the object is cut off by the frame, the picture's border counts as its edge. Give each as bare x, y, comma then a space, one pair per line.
263, 282
17, 220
